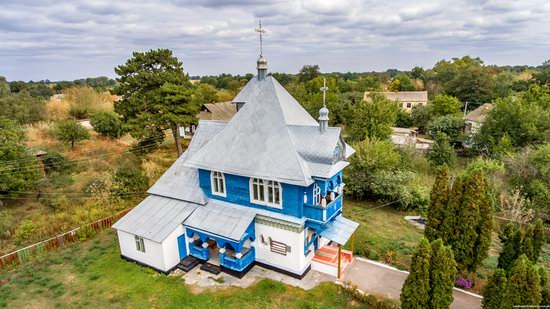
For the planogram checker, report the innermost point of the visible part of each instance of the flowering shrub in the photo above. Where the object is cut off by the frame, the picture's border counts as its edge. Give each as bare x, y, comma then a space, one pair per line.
464, 283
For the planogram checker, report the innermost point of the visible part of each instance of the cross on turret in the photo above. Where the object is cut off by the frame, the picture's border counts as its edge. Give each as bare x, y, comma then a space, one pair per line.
324, 89
260, 31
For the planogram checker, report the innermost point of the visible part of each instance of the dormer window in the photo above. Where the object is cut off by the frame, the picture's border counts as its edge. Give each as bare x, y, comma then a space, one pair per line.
217, 180
266, 192
316, 194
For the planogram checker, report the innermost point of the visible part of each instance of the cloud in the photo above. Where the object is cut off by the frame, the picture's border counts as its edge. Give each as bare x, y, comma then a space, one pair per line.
72, 39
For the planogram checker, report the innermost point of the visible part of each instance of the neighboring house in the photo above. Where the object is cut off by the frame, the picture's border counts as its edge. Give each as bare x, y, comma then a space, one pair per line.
223, 111
407, 99
403, 137
263, 188
475, 118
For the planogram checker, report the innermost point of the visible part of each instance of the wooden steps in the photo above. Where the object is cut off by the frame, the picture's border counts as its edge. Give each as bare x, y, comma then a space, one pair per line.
211, 268
188, 263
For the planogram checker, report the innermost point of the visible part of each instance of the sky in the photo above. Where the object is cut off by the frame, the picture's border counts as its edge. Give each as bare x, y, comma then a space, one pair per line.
67, 40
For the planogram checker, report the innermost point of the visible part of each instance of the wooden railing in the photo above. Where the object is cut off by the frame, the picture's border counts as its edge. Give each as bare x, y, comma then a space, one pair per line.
25, 254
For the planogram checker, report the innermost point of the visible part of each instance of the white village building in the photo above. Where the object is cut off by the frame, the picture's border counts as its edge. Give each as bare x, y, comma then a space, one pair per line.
264, 188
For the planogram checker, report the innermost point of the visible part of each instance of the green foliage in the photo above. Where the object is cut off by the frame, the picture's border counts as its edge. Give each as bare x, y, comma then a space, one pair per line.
416, 289
308, 72
543, 76
537, 239
70, 131
155, 94
523, 286
494, 292
443, 105
473, 84
375, 173
450, 125
439, 198
19, 169
55, 162
545, 286
442, 275
24, 232
522, 120
107, 124
442, 152
23, 108
129, 179
512, 238
84, 101
401, 82
373, 119
4, 87
204, 93
421, 116
404, 119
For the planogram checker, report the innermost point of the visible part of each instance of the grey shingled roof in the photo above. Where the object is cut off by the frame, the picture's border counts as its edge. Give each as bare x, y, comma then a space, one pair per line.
339, 230
222, 219
155, 217
479, 114
257, 141
182, 182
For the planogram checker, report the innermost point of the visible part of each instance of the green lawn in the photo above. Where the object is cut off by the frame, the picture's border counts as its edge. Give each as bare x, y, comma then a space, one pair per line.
92, 274
383, 233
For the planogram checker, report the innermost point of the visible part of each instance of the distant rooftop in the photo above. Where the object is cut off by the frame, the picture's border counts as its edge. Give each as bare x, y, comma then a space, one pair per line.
223, 111
401, 96
479, 114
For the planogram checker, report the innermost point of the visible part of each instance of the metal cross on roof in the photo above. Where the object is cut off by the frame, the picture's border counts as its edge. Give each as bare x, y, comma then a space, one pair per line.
260, 31
324, 89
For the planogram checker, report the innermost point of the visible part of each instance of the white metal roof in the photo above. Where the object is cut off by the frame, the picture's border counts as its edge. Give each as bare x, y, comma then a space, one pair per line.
339, 230
155, 217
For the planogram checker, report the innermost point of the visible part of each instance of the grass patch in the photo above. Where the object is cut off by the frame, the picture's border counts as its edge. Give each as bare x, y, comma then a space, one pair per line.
93, 274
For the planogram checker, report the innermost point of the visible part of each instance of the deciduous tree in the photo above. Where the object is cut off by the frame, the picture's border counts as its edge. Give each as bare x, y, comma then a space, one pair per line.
70, 131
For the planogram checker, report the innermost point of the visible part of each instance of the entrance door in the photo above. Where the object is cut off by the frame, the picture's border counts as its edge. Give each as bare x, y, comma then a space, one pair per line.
182, 246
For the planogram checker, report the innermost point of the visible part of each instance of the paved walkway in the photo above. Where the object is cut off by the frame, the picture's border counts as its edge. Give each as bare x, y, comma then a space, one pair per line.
384, 280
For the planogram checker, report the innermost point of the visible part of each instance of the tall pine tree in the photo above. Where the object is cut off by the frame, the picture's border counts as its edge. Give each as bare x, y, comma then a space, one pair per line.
494, 291
538, 239
439, 197
484, 226
442, 275
545, 286
416, 289
449, 232
512, 247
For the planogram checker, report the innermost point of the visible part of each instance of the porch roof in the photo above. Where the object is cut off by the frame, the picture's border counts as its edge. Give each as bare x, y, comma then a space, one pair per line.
339, 230
221, 219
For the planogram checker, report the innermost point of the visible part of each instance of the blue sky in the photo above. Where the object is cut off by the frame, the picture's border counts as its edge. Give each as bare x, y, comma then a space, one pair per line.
52, 39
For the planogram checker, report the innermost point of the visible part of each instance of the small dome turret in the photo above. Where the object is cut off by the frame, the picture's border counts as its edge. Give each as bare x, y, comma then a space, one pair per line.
262, 67
323, 119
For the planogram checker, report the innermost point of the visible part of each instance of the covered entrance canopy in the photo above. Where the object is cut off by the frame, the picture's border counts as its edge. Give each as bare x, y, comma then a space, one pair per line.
339, 230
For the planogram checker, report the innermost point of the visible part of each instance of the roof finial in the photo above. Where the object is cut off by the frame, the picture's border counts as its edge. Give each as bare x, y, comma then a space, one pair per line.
260, 31
262, 62
323, 112
324, 89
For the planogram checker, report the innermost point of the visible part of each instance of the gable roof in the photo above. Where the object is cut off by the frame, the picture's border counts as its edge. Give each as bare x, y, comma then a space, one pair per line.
479, 114
218, 111
182, 182
257, 142
401, 96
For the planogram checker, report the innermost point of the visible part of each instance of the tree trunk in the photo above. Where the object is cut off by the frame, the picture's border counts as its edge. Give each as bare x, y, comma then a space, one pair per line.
176, 139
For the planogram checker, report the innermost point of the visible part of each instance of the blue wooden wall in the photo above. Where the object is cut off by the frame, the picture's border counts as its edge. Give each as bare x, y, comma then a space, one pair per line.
238, 192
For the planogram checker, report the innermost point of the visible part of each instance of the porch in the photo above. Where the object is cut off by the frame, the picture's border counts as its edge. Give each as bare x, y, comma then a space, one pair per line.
222, 254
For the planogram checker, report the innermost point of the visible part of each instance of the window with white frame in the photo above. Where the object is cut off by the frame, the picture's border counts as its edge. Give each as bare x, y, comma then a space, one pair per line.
265, 192
316, 194
140, 245
218, 183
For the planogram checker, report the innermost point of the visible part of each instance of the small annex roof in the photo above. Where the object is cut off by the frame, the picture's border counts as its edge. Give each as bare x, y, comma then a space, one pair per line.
222, 219
339, 230
155, 217
479, 114
223, 111
257, 141
401, 96
182, 182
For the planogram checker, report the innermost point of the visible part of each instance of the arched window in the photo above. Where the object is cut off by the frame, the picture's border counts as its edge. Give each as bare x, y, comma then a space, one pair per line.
316, 194
266, 192
218, 183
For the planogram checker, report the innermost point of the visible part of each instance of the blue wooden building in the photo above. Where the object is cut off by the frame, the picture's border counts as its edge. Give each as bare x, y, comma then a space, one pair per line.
264, 188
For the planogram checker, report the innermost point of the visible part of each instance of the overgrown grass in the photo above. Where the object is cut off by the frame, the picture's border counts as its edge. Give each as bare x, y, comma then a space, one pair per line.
92, 274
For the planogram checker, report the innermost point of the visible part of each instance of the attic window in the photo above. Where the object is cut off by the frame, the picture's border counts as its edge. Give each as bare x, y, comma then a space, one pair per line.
140, 245
218, 184
266, 192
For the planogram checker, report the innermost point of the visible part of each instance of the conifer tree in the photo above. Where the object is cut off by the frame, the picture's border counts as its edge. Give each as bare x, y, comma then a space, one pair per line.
494, 291
449, 231
468, 220
523, 286
511, 249
442, 275
439, 197
416, 289
545, 287
484, 226
538, 239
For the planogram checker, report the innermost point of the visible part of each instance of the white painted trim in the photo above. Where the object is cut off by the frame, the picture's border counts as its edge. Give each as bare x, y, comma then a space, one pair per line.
224, 194
266, 193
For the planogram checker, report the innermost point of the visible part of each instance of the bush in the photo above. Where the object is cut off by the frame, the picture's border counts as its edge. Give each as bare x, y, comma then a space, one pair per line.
55, 162
107, 124
70, 131
25, 231
464, 283
129, 179
85, 101
442, 152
